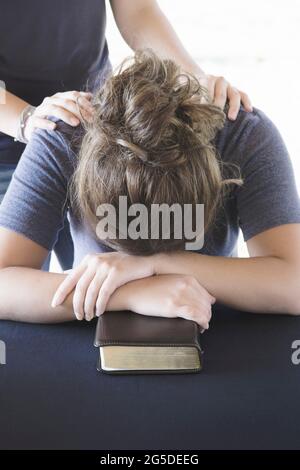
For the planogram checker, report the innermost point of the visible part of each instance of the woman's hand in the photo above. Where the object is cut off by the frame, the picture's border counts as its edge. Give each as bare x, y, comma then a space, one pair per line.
220, 91
97, 277
171, 295
70, 106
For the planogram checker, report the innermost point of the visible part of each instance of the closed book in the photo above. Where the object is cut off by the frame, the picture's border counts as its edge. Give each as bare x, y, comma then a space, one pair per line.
130, 343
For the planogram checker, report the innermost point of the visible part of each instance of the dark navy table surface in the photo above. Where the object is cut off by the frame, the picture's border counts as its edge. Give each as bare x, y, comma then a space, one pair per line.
247, 396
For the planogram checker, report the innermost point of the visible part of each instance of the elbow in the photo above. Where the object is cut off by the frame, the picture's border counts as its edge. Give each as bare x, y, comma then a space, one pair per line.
292, 305
282, 296
290, 298
285, 289
4, 268
4, 263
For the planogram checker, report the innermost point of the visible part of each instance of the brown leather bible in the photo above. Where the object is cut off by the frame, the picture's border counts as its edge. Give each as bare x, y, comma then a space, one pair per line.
130, 343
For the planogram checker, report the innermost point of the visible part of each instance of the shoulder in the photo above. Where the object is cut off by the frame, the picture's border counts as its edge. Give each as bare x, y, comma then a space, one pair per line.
56, 149
244, 124
246, 136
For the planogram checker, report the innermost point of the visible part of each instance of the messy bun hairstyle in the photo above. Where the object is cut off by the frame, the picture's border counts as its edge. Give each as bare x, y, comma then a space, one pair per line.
150, 140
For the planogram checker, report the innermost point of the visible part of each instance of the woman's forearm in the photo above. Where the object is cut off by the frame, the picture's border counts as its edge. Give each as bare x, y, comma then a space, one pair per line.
26, 295
152, 29
261, 284
10, 112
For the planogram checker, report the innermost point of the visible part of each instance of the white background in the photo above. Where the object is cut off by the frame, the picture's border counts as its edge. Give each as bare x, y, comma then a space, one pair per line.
255, 44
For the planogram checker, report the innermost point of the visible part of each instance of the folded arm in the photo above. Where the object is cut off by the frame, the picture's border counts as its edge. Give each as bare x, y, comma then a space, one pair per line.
26, 292
266, 282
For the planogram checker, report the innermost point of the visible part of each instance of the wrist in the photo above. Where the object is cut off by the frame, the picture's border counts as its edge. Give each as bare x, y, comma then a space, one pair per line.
23, 120
120, 299
194, 69
160, 261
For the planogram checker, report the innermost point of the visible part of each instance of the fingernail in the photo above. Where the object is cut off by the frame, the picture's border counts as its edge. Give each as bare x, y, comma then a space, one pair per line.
52, 126
75, 122
56, 301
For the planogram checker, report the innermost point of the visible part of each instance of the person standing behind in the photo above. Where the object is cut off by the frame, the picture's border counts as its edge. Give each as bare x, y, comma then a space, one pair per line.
53, 54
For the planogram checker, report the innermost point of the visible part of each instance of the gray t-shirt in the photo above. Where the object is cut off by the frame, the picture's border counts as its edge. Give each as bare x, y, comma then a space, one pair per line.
37, 199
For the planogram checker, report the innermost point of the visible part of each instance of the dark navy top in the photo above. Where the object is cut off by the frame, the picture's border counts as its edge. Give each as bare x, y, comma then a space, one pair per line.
47, 47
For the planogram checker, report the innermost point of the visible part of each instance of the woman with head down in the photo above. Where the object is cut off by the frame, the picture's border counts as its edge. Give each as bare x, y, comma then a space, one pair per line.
154, 139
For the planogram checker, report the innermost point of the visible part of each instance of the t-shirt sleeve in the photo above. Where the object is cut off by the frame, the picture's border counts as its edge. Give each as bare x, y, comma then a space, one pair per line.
35, 202
268, 197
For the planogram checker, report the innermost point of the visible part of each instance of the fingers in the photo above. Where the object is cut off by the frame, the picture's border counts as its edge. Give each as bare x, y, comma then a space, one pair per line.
93, 282
36, 122
107, 289
202, 316
207, 297
210, 85
195, 313
86, 284
60, 113
92, 294
42, 123
195, 302
67, 286
246, 102
234, 99
73, 95
81, 100
80, 294
78, 107
220, 92
200, 294
71, 107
